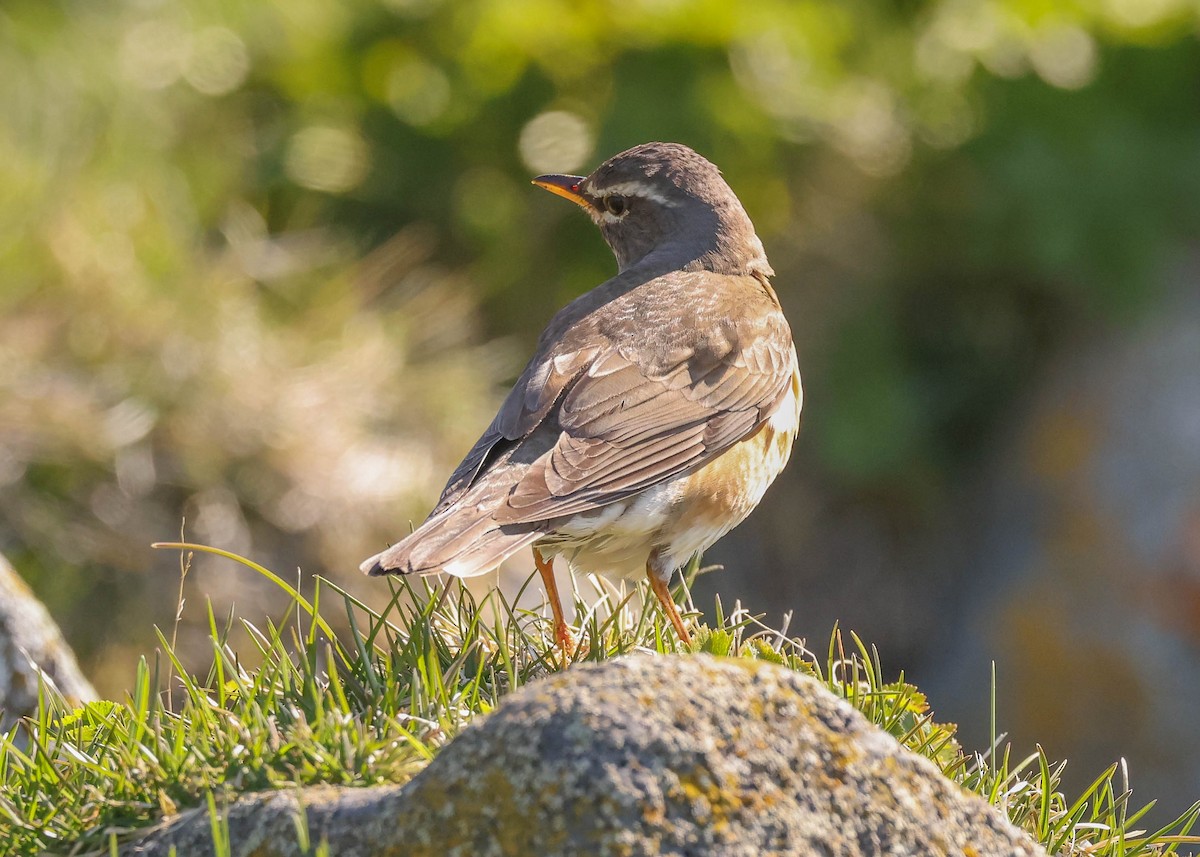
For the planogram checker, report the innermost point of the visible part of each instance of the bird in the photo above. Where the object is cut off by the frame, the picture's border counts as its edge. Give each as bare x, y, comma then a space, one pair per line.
656, 410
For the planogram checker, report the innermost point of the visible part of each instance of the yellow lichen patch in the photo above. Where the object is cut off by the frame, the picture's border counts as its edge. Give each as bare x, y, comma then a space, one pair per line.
653, 813
718, 801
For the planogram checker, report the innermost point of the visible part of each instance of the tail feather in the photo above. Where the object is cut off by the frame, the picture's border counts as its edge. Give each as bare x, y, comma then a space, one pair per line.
462, 536
458, 541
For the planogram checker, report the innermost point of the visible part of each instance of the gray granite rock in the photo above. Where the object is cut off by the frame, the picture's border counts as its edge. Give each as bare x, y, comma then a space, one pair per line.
646, 755
692, 756
352, 822
32, 649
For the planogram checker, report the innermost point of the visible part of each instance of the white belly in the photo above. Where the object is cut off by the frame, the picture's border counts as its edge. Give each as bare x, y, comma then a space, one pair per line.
615, 540
670, 523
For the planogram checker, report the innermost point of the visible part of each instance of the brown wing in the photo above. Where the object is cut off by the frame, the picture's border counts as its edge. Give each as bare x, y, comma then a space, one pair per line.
625, 426
526, 407
632, 386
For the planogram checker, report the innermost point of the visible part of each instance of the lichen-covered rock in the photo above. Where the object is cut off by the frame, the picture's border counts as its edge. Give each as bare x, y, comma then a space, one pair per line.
646, 755
352, 822
689, 756
32, 650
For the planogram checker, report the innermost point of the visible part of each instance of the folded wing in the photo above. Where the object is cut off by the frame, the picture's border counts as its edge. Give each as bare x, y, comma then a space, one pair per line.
624, 426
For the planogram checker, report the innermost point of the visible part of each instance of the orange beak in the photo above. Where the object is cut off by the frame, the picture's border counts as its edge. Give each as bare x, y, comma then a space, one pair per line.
565, 186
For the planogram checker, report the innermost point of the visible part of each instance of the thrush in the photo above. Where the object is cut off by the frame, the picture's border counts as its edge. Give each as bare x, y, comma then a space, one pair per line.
656, 409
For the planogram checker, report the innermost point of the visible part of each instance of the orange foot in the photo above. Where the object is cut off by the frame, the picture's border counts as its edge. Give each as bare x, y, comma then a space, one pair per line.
663, 593
563, 637
565, 641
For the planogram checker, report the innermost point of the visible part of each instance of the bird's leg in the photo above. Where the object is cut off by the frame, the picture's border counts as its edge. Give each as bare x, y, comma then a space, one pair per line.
663, 593
562, 634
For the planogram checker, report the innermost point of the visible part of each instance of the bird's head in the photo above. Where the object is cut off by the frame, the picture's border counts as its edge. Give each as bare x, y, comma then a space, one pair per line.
665, 199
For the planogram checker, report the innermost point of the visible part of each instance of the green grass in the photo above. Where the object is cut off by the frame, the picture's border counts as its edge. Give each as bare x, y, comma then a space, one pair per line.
377, 704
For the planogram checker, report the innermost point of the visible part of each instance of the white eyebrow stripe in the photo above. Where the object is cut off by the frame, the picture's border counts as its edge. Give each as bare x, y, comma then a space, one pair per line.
634, 188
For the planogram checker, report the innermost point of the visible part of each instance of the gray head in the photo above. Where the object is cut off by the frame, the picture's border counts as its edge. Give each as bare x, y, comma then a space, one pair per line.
664, 201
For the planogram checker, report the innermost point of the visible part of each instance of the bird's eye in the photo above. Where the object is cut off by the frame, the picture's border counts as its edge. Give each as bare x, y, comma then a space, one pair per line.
615, 204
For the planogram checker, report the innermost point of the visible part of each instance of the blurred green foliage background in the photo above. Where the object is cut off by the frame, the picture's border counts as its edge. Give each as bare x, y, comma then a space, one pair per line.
266, 267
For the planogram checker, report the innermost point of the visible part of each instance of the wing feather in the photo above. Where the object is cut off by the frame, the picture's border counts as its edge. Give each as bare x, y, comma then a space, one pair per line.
617, 402
629, 430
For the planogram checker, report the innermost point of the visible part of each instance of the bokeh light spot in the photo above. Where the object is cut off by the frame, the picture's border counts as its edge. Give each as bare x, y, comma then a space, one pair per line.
1142, 13
153, 53
556, 141
936, 59
128, 422
1064, 56
417, 91
218, 62
329, 159
868, 128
